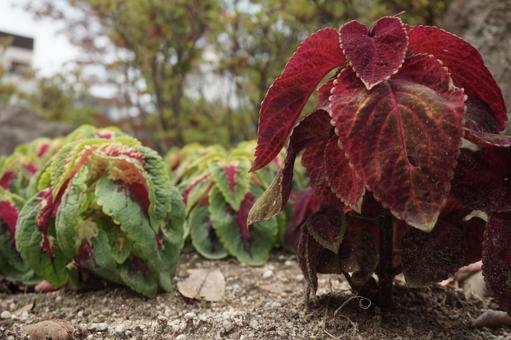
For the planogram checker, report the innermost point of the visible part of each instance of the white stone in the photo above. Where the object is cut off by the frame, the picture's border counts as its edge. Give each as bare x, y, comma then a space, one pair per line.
119, 329
227, 325
254, 324
267, 274
190, 316
5, 315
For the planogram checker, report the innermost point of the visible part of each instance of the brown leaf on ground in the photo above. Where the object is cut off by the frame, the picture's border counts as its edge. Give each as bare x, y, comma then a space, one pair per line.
25, 308
50, 329
277, 289
203, 284
492, 319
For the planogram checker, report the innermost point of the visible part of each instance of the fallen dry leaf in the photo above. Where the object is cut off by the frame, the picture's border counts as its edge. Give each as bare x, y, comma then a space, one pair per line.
25, 308
492, 319
203, 284
50, 329
277, 289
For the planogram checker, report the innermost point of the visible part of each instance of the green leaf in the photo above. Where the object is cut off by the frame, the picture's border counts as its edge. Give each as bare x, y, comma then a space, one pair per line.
143, 283
232, 178
125, 212
204, 238
103, 263
254, 251
28, 243
68, 215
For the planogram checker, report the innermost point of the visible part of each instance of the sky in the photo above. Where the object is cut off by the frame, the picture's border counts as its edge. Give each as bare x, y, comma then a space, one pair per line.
52, 50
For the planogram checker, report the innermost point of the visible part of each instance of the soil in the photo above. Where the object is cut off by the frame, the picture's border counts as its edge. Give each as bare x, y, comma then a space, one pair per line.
259, 303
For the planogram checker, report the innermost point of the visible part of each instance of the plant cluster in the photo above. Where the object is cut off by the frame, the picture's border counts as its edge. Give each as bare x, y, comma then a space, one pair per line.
18, 170
404, 152
11, 264
218, 192
103, 206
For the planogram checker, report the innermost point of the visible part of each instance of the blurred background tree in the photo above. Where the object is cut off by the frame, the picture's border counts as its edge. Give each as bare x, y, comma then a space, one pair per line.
180, 71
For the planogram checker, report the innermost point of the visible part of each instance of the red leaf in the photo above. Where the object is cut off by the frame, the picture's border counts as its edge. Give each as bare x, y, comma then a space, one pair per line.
310, 130
139, 192
31, 167
303, 205
481, 179
464, 63
230, 172
403, 136
8, 217
323, 102
374, 54
481, 126
312, 135
343, 180
497, 258
6, 179
313, 162
43, 149
241, 218
327, 227
433, 257
479, 117
280, 109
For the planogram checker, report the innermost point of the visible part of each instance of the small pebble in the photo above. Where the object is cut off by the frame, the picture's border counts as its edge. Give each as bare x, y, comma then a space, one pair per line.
23, 316
5, 315
228, 326
254, 324
190, 316
100, 327
181, 337
119, 329
267, 274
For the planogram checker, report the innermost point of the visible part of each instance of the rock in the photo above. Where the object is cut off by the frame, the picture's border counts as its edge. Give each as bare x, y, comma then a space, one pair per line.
119, 329
267, 274
227, 325
181, 337
23, 316
272, 305
5, 315
189, 316
100, 327
254, 324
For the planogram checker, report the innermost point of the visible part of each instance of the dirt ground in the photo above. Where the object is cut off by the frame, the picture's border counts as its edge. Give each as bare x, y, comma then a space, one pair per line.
259, 303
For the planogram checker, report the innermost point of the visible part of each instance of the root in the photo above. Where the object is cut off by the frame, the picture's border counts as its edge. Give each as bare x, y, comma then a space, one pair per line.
363, 303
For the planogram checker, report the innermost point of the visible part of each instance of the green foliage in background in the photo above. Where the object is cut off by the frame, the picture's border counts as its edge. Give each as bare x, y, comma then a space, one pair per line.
218, 192
191, 71
104, 207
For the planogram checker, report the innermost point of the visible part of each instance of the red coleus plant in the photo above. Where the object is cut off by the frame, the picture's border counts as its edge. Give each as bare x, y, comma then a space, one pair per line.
403, 146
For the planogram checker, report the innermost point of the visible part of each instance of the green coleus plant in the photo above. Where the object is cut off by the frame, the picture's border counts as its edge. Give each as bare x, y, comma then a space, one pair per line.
105, 207
18, 171
218, 192
11, 264
405, 155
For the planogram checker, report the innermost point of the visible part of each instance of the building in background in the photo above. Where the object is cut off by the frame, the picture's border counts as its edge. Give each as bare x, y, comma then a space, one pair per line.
16, 58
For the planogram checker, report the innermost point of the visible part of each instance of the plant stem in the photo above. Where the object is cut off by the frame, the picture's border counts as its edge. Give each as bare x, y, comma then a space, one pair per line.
385, 273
